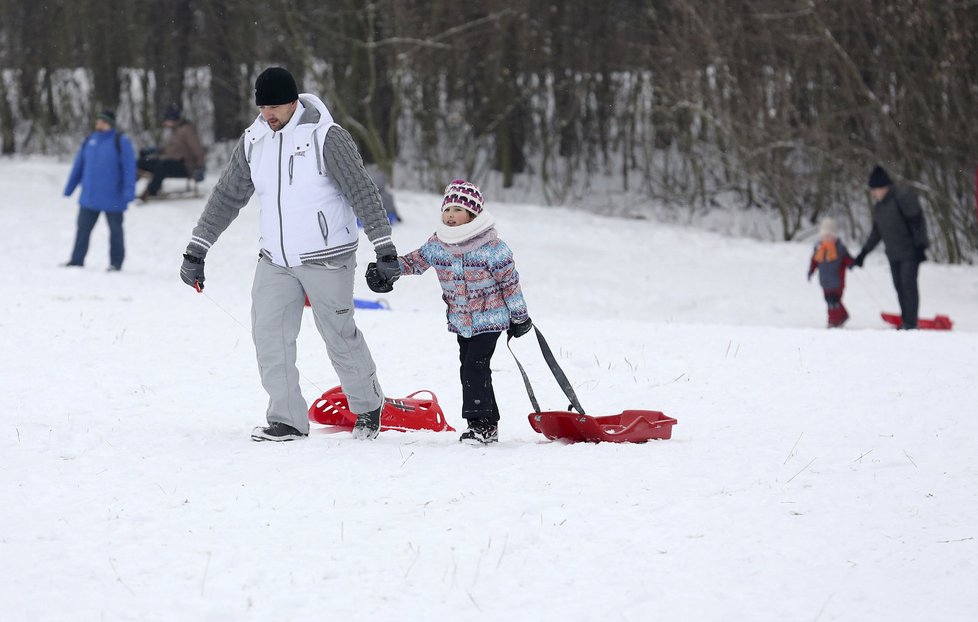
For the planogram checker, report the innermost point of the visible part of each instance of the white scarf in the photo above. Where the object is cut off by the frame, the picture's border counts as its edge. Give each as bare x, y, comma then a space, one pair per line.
461, 233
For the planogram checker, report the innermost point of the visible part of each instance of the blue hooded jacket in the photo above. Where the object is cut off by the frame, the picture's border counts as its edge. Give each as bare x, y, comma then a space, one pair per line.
106, 173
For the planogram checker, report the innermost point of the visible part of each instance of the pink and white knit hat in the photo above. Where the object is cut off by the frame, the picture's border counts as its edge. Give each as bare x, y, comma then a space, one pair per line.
460, 193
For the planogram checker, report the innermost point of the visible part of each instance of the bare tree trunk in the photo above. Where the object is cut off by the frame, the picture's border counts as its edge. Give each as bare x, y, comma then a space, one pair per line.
170, 53
227, 35
7, 143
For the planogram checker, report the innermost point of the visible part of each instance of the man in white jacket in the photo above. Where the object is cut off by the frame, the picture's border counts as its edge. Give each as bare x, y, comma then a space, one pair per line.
312, 187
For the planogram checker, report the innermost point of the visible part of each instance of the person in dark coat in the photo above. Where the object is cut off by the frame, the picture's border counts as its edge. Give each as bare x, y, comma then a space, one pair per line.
106, 169
831, 258
899, 222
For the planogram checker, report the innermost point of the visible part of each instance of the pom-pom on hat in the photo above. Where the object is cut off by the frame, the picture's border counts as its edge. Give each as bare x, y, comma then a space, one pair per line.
464, 194
828, 227
879, 178
275, 86
108, 116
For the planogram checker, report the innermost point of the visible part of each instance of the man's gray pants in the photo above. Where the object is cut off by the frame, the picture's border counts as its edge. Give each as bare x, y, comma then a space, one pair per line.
278, 299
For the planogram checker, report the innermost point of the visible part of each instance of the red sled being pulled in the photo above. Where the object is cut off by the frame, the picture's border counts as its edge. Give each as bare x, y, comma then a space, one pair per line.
938, 322
408, 413
629, 426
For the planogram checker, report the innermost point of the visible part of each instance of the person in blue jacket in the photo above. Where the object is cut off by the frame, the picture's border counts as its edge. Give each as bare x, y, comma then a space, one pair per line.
106, 169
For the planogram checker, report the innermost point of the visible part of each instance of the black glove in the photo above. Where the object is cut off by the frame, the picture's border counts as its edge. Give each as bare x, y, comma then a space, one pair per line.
388, 267
375, 281
921, 256
192, 271
810, 275
518, 329
858, 261
382, 273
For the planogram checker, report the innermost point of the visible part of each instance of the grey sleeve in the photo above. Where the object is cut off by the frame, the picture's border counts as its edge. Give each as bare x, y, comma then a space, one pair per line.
345, 167
231, 193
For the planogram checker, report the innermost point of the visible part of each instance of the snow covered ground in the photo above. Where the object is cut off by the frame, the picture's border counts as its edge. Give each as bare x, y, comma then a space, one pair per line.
813, 475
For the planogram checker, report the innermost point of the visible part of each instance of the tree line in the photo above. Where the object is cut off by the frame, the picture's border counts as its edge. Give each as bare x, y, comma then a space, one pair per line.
779, 105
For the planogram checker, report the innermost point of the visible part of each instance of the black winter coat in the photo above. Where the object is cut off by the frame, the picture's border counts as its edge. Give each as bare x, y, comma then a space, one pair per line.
899, 222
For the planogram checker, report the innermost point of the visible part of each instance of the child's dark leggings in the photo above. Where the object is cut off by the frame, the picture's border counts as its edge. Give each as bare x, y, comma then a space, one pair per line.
837, 312
478, 399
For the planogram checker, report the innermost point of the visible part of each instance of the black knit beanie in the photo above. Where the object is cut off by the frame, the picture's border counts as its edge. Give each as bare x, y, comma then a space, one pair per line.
172, 113
879, 179
275, 86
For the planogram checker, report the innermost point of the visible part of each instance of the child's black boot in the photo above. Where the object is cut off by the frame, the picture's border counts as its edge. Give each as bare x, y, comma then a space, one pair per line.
480, 432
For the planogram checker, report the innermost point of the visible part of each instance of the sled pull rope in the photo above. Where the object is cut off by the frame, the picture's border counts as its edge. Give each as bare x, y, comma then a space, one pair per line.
555, 369
245, 328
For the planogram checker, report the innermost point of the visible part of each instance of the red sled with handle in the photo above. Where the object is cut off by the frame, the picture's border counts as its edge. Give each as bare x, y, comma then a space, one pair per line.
938, 322
409, 413
629, 426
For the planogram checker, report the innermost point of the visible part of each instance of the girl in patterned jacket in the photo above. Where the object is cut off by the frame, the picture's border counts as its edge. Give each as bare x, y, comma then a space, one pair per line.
831, 258
481, 287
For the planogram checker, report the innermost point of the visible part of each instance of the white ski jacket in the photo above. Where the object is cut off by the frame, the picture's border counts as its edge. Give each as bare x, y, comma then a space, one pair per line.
306, 175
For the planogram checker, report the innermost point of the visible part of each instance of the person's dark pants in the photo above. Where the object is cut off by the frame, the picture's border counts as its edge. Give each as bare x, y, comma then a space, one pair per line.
478, 398
161, 169
147, 163
86, 222
905, 281
837, 311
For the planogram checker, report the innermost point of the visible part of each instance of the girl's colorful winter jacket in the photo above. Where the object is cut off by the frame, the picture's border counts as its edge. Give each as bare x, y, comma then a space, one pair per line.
831, 259
479, 282
106, 169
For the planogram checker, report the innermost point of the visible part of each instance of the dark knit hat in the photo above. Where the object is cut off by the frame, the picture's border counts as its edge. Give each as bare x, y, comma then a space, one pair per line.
275, 86
108, 116
172, 113
464, 194
879, 179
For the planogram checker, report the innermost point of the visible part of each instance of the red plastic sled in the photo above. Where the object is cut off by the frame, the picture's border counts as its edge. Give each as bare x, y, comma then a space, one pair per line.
409, 413
938, 322
631, 426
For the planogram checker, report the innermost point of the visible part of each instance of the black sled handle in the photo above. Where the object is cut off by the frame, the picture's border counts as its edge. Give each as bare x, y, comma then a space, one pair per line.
555, 369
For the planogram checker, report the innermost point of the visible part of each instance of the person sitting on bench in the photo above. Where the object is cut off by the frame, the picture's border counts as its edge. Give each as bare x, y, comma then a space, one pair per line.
181, 156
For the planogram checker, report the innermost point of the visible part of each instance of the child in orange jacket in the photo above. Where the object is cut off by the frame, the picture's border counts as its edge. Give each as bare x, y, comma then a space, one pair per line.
831, 258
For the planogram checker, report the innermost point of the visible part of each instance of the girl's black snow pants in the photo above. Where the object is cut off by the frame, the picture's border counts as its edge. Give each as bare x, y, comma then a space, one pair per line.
478, 399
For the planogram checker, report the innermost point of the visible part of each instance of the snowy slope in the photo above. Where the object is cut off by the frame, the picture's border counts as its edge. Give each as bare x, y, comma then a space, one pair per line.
814, 474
